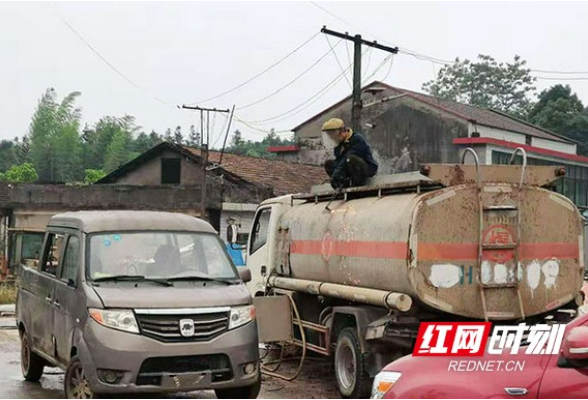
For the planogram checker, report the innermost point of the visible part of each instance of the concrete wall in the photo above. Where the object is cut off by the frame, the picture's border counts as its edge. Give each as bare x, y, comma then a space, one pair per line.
101, 197
402, 132
149, 173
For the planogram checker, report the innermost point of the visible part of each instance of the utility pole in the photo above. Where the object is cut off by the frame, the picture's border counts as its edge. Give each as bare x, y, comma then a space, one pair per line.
204, 148
226, 135
356, 97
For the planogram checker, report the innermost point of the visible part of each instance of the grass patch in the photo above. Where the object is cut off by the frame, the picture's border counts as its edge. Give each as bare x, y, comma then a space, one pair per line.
7, 294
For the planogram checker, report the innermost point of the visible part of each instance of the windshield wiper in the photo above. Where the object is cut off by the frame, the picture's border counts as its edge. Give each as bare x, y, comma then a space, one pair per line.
202, 278
130, 278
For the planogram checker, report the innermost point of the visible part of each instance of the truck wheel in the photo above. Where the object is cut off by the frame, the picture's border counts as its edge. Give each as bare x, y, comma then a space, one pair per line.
244, 392
352, 381
32, 365
75, 382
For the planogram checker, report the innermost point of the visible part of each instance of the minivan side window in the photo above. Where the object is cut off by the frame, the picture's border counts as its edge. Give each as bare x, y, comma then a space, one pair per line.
53, 251
260, 230
69, 267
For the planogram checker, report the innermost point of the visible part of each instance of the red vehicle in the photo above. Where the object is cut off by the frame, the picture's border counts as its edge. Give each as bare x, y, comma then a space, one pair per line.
543, 376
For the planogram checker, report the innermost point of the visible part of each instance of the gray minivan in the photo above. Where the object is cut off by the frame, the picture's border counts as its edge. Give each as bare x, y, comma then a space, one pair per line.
135, 301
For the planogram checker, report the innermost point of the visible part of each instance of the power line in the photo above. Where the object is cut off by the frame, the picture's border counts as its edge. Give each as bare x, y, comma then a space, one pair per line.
545, 78
561, 72
367, 66
389, 69
261, 73
337, 58
97, 53
402, 49
259, 130
315, 97
292, 81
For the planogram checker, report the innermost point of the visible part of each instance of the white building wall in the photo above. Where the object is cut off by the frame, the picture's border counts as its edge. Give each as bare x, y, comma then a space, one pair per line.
495, 133
552, 145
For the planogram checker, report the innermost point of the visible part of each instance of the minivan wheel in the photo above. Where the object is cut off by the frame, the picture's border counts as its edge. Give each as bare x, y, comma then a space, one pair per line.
76, 384
352, 381
244, 392
31, 364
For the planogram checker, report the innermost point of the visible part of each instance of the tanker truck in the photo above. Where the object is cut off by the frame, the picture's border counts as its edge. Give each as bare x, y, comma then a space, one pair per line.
466, 242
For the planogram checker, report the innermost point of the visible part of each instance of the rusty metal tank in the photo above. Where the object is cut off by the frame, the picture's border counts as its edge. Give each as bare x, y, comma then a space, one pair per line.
490, 243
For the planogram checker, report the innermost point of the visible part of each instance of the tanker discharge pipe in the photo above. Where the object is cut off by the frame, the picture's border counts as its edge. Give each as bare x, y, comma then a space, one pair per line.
381, 298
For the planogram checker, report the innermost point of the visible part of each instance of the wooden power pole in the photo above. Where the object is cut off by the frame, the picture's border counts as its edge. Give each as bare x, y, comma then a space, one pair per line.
356, 97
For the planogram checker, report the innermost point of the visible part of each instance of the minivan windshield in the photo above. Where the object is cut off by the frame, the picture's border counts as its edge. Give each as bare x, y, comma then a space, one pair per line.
158, 255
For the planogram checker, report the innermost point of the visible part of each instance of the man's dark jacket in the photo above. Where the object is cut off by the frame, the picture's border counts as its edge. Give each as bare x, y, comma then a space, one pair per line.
355, 145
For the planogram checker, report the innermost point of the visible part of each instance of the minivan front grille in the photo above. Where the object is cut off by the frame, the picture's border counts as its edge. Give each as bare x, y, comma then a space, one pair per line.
166, 328
153, 369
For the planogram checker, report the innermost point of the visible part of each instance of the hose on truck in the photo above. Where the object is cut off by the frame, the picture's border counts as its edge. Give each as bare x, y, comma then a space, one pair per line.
272, 371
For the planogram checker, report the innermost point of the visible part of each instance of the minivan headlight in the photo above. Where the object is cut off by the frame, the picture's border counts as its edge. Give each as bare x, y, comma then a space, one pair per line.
241, 316
123, 320
383, 383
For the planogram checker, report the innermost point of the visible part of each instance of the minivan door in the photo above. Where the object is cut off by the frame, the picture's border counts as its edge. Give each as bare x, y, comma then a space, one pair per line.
66, 305
43, 287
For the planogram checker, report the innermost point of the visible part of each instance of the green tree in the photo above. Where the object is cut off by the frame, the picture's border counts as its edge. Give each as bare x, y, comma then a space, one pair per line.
8, 156
53, 125
93, 175
237, 144
178, 136
99, 139
117, 153
168, 137
68, 151
506, 87
194, 138
145, 142
22, 149
20, 174
562, 112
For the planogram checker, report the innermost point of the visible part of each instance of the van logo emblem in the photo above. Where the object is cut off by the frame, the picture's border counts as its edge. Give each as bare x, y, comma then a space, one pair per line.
187, 327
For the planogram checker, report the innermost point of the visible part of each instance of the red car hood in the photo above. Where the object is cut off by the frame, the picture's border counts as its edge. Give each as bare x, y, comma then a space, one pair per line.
432, 377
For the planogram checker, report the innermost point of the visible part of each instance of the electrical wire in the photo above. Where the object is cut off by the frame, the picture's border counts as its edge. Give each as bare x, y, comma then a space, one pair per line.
308, 101
545, 78
560, 72
259, 74
100, 56
389, 68
292, 81
337, 58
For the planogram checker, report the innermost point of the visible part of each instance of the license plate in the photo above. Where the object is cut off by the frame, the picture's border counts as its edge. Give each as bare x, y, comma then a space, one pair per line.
182, 380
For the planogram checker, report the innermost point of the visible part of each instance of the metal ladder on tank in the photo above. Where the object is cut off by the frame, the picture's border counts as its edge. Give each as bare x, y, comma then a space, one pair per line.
514, 247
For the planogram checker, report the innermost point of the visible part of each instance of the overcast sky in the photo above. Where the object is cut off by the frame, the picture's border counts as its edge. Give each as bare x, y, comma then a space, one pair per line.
176, 53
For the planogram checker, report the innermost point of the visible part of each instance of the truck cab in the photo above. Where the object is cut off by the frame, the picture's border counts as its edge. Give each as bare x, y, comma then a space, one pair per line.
264, 238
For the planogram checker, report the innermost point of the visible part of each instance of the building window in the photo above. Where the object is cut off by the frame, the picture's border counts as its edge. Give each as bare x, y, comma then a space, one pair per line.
171, 170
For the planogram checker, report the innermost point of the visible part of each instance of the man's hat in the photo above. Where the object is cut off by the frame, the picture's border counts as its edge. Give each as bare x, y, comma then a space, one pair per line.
333, 124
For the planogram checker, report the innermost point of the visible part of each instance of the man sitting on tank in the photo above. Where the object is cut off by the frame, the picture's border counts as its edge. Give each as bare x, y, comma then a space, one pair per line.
354, 162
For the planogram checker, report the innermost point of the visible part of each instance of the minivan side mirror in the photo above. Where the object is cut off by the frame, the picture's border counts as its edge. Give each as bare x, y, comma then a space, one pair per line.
245, 274
575, 344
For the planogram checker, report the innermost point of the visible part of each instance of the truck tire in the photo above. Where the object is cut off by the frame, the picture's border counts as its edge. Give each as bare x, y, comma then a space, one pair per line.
244, 392
31, 364
352, 381
76, 384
